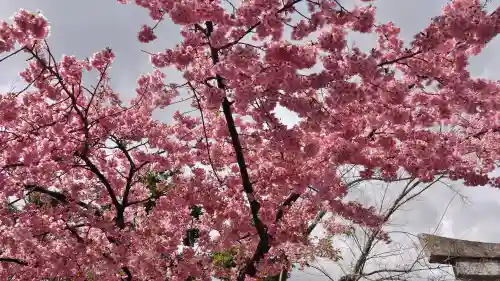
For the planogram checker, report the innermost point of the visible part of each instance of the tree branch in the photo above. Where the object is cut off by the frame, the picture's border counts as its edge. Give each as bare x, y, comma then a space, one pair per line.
397, 203
253, 27
128, 273
264, 243
120, 219
61, 197
132, 170
400, 58
205, 133
12, 260
287, 203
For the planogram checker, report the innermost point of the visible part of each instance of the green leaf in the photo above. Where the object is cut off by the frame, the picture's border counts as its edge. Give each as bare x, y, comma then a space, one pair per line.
224, 259
191, 236
196, 211
35, 198
106, 207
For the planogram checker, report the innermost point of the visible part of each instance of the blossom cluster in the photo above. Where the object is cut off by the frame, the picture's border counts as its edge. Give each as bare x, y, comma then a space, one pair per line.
91, 188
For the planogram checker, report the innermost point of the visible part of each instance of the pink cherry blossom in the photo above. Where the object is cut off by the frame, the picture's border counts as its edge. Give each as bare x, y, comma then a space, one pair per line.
146, 34
94, 188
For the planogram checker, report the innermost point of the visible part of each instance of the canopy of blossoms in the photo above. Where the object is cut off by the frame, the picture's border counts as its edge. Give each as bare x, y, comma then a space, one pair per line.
92, 188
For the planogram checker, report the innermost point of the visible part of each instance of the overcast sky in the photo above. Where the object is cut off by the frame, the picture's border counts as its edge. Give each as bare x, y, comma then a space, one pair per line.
83, 27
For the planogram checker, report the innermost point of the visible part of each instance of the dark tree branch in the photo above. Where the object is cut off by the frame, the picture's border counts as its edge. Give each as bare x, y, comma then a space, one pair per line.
128, 273
400, 58
264, 243
253, 27
315, 223
61, 197
12, 54
481, 133
120, 220
205, 133
132, 170
287, 203
12, 260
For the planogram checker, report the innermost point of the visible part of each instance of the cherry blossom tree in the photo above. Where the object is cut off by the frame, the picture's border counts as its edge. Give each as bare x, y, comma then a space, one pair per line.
93, 188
